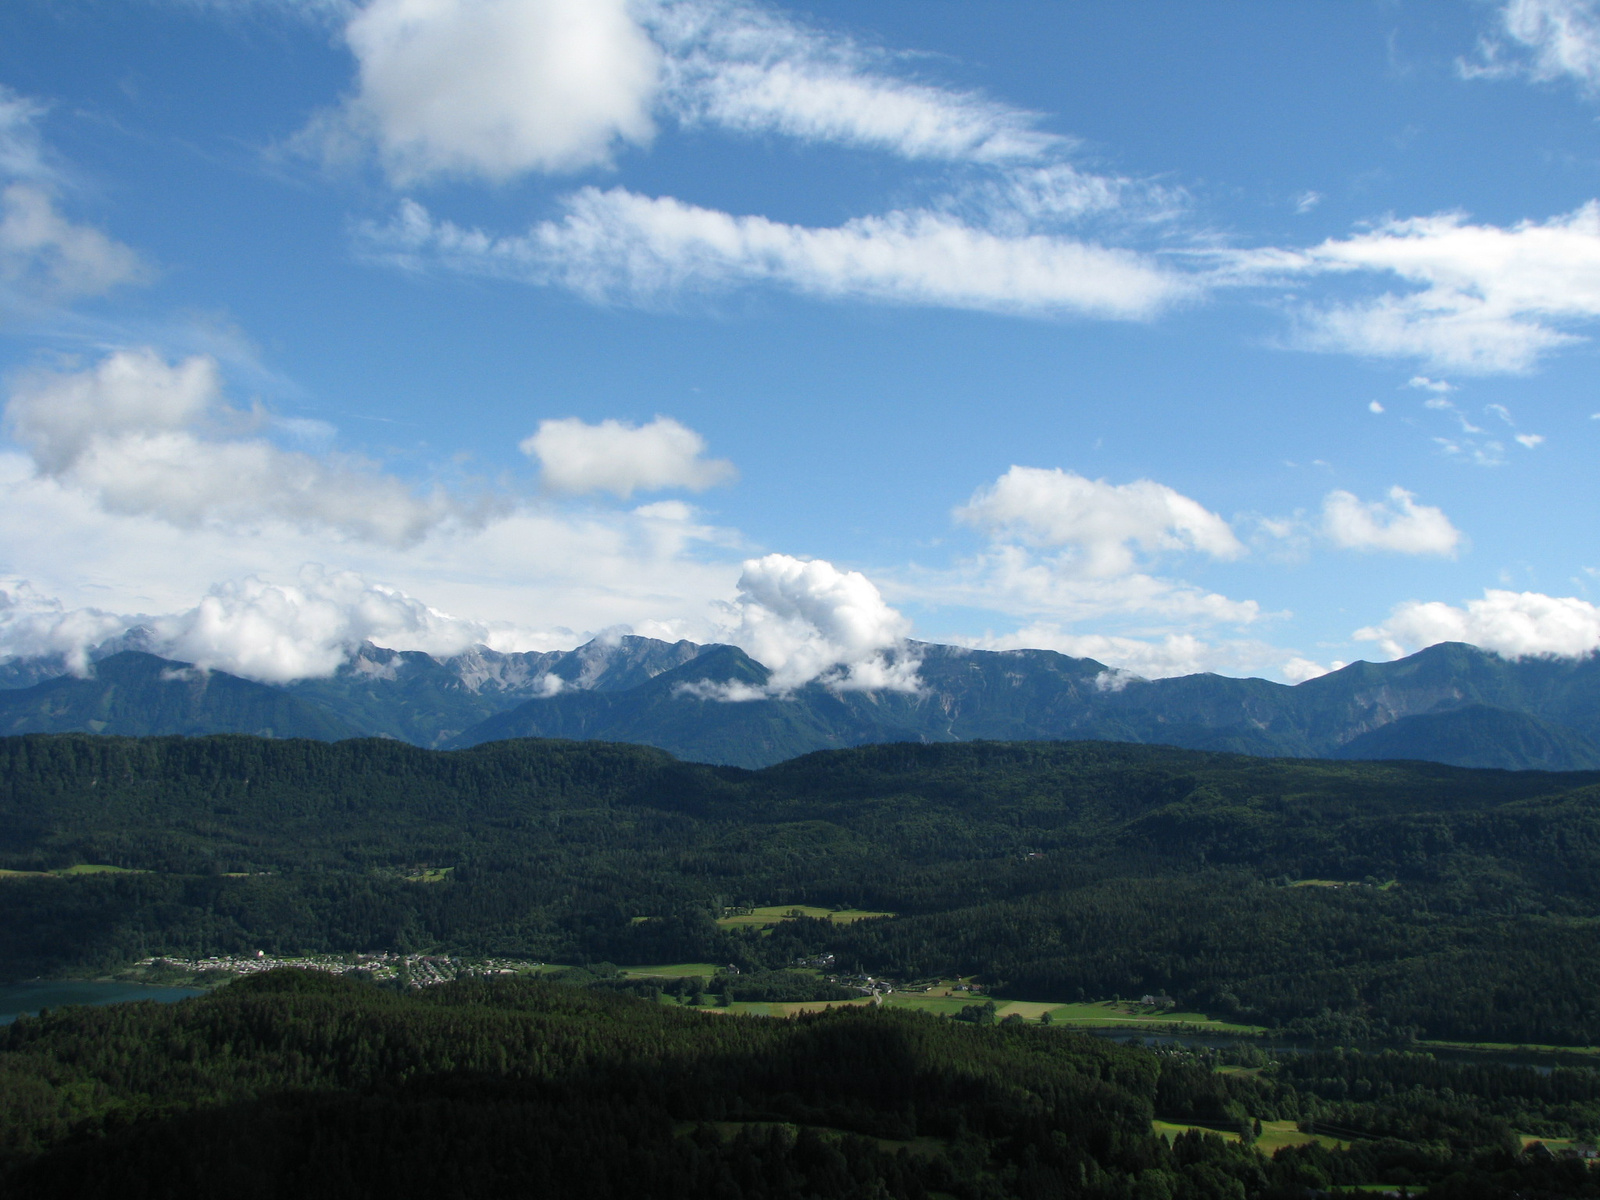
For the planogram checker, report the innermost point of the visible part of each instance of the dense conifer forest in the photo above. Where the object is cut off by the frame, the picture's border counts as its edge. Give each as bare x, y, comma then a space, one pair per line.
1467, 908
298, 1083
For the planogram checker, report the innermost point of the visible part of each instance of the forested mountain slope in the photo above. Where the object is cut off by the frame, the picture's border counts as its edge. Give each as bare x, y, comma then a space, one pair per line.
295, 1083
1469, 909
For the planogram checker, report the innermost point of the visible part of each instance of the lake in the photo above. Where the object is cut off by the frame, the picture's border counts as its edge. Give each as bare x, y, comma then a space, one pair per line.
19, 998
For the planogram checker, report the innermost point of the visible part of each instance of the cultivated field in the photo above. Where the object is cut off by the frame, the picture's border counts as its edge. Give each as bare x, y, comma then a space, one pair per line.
773, 913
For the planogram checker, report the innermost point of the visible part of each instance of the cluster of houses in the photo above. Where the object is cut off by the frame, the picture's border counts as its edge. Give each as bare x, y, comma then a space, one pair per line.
419, 970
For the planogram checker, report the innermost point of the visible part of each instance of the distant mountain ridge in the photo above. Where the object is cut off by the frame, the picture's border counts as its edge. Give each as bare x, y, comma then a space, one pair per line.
1450, 703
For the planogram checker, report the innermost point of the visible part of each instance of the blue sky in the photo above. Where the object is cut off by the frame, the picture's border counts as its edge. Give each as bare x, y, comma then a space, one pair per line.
1251, 338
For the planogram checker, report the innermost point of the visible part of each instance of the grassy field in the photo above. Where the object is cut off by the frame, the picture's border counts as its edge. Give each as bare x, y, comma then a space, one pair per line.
672, 971
1275, 1135
943, 999
429, 874
1097, 1014
773, 913
78, 869
1553, 1144
1342, 883
1509, 1047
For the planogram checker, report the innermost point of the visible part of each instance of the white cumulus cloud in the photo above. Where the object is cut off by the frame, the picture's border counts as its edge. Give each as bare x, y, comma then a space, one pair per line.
494, 89
1398, 524
1512, 624
1063, 549
807, 620
281, 632
146, 437
271, 632
619, 246
1102, 524
34, 625
578, 458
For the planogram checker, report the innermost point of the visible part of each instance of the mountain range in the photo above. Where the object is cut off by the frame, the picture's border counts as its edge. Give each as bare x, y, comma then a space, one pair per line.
1451, 703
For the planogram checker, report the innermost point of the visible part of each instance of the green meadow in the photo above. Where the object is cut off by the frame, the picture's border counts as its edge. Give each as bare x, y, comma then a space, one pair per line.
771, 914
943, 999
1275, 1135
76, 869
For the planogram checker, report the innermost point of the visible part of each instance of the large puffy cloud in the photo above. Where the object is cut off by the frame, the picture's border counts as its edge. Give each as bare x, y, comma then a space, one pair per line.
578, 458
807, 620
1064, 549
34, 625
1399, 524
1513, 624
495, 88
617, 245
277, 633
1543, 40
551, 569
750, 68
1102, 524
254, 628
147, 437
1485, 299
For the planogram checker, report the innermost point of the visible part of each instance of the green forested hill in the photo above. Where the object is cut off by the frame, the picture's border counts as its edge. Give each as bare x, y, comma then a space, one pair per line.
295, 1083
1468, 907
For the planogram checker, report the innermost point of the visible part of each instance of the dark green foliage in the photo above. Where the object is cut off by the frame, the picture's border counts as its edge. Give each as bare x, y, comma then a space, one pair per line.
1054, 870
781, 987
298, 1085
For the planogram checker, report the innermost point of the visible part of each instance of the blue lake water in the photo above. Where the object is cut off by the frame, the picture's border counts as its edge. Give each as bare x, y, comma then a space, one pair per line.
19, 998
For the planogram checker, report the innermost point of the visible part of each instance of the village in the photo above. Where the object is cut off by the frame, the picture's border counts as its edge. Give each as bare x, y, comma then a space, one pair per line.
415, 970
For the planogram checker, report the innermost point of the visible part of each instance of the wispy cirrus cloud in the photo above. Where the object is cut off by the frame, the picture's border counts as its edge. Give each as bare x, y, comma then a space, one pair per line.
1479, 299
501, 88
621, 247
45, 257
751, 69
1541, 40
496, 89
